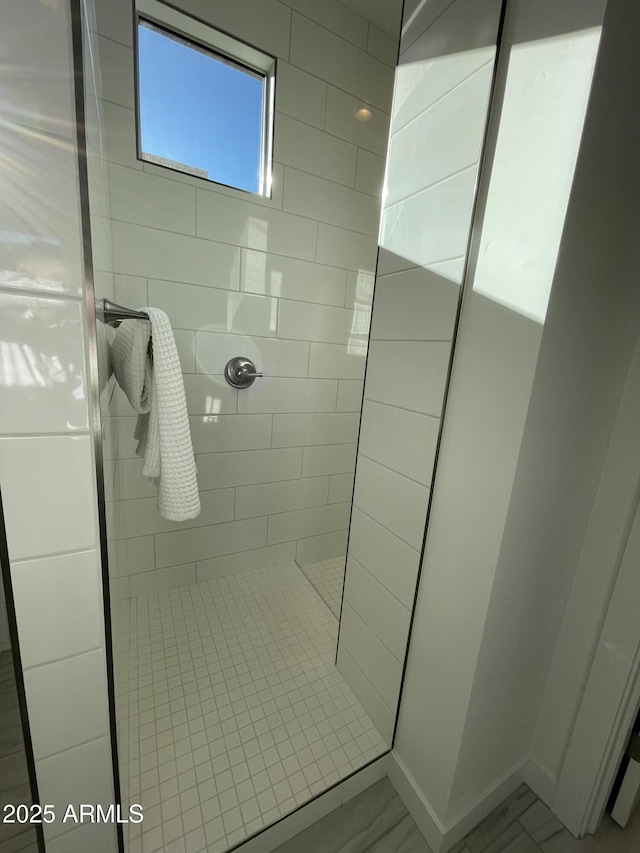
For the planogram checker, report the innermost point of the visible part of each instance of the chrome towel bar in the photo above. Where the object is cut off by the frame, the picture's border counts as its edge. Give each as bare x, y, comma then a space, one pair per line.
111, 314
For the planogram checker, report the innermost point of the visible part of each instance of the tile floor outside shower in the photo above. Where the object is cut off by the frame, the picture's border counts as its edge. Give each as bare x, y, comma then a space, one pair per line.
14, 773
230, 709
376, 821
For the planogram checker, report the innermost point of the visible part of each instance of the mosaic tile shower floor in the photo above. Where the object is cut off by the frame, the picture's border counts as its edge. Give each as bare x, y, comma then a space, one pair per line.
327, 578
231, 711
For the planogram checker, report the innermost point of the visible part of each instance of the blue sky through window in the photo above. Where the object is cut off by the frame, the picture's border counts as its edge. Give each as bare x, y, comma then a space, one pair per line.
197, 110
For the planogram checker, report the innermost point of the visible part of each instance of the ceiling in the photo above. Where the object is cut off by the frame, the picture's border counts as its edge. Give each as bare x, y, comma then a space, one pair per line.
383, 13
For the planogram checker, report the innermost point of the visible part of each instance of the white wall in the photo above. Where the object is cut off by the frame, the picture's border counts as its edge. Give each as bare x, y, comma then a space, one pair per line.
286, 281
598, 631
47, 470
600, 257
437, 128
498, 542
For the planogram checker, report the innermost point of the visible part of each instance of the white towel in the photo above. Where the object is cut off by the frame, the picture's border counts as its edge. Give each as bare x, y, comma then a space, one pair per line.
155, 389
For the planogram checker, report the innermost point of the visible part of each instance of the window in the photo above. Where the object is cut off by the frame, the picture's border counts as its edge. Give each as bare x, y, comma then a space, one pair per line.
205, 100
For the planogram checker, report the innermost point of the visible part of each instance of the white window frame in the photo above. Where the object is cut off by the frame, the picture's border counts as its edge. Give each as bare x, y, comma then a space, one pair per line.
227, 48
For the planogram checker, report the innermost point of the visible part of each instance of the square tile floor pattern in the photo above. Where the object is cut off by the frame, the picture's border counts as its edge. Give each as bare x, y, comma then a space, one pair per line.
327, 578
230, 709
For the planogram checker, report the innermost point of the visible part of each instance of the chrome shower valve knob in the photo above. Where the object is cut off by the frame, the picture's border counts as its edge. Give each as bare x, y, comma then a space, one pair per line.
240, 372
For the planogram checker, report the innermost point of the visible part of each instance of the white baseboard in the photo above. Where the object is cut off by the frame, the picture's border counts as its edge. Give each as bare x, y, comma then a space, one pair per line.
538, 778
439, 837
442, 837
417, 806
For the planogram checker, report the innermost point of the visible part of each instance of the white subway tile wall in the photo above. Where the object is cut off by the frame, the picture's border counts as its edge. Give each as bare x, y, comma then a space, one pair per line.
67, 703
382, 45
437, 126
45, 397
47, 468
58, 597
310, 550
39, 96
40, 190
66, 775
285, 281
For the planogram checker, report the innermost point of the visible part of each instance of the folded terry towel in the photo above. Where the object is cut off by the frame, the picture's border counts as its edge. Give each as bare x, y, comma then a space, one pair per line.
156, 391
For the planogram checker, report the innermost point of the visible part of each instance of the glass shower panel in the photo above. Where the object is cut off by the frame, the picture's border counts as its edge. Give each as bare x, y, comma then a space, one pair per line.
230, 710
443, 88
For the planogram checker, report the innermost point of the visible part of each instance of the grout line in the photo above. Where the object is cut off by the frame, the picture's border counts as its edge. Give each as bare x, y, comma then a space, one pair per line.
371, 628
395, 535
195, 223
41, 293
342, 38
112, 40
76, 433
290, 31
334, 183
102, 98
240, 247
37, 666
425, 268
71, 552
384, 586
489, 62
432, 186
70, 749
366, 677
292, 64
393, 471
366, 399
148, 498
9, 119
262, 415
359, 146
285, 211
284, 181
412, 340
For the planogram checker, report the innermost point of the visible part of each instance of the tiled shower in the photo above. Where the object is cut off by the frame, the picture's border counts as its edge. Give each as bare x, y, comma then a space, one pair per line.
230, 710
286, 281
245, 668
232, 703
